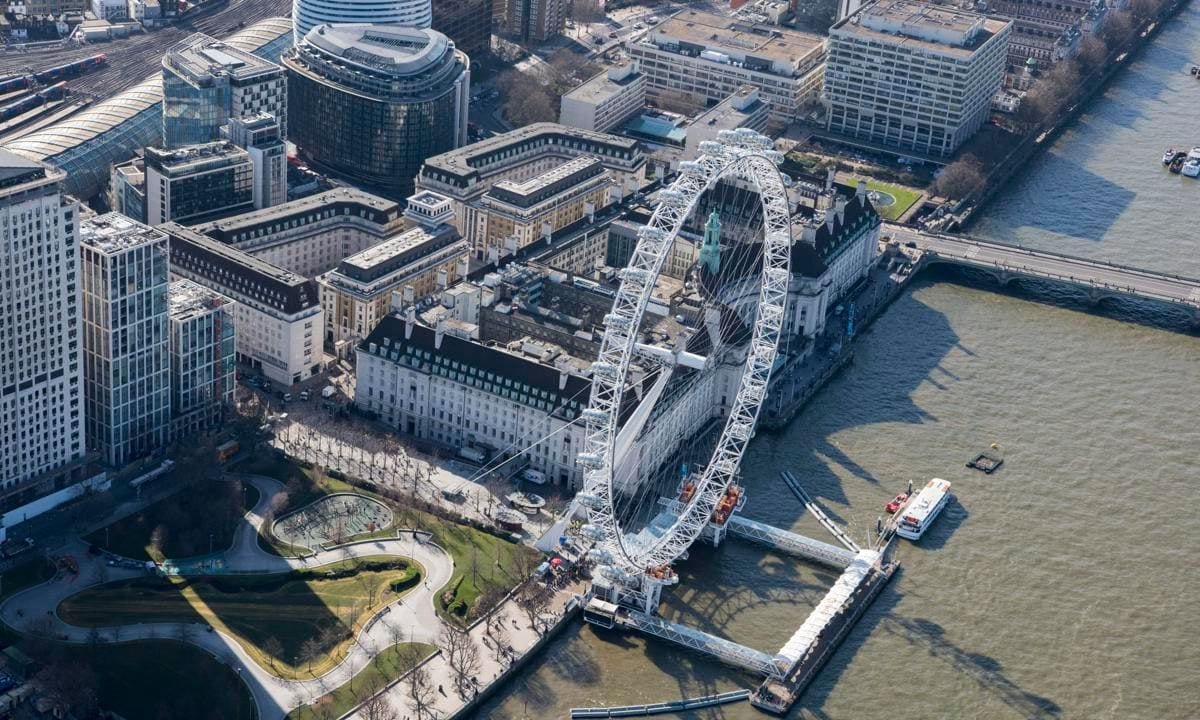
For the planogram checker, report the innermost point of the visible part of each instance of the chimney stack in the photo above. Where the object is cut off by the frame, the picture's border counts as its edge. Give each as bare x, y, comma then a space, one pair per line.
410, 317
439, 333
839, 206
562, 380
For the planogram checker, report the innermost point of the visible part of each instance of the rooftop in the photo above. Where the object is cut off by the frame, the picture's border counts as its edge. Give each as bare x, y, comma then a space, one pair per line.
606, 85
467, 159
394, 49
922, 25
738, 37
417, 239
114, 233
243, 259
15, 169
186, 298
184, 156
344, 198
202, 58
548, 184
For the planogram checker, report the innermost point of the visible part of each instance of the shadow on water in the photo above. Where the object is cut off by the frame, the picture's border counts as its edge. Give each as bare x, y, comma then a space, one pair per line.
880, 390
952, 517
987, 672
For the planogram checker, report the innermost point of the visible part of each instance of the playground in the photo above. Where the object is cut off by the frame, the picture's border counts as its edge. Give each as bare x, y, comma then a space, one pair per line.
332, 520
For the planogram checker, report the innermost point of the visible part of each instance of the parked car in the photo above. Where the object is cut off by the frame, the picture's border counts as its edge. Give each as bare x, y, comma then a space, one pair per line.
303, 394
287, 397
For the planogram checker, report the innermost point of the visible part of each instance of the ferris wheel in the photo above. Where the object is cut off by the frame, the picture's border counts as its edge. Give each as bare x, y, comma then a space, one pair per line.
751, 290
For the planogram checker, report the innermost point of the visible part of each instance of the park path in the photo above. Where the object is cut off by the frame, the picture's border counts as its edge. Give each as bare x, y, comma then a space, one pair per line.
411, 618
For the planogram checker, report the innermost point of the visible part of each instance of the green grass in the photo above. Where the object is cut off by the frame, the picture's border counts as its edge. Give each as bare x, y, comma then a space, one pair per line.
157, 679
271, 615
385, 667
905, 197
481, 561
188, 519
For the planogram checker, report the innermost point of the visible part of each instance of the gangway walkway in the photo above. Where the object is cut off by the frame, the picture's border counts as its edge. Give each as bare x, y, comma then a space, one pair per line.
724, 650
676, 706
790, 542
819, 514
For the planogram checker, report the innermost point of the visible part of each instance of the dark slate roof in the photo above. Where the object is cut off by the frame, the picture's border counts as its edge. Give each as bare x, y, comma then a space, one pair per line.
15, 169
456, 355
226, 269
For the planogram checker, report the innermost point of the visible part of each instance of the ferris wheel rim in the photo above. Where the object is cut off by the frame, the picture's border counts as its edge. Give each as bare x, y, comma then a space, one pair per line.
748, 159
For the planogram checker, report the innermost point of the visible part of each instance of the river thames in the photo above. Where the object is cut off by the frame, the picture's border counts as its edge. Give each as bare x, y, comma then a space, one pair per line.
1063, 586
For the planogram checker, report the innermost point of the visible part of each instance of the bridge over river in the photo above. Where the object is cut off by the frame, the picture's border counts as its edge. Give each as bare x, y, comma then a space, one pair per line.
1006, 263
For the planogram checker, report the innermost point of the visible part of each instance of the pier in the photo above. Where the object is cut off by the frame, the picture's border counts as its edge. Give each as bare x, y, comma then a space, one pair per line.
789, 542
677, 706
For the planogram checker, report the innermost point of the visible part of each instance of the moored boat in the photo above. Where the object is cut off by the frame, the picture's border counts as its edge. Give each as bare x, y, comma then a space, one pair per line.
924, 509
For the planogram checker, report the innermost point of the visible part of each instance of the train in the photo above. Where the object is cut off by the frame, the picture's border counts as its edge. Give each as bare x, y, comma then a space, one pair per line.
49, 75
57, 91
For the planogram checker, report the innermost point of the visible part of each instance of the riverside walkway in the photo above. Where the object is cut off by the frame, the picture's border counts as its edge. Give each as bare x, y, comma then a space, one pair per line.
1009, 262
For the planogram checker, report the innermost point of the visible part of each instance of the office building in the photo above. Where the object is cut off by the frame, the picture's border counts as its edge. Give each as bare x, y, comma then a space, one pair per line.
198, 182
417, 264
743, 109
465, 175
468, 24
87, 144
311, 235
113, 11
202, 357
536, 21
41, 378
206, 82
370, 102
451, 391
123, 265
605, 101
277, 314
259, 135
515, 214
127, 189
706, 58
1048, 32
913, 77
310, 13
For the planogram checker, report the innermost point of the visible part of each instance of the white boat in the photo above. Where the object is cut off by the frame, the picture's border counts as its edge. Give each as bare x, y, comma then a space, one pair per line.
1191, 168
924, 509
1168, 156
1194, 153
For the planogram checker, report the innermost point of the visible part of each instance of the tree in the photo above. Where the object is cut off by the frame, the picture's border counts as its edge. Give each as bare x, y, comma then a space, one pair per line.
462, 653
501, 636
528, 101
71, 686
420, 688
310, 650
274, 650
1143, 10
587, 11
570, 69
1092, 52
960, 178
378, 707
488, 600
1118, 28
533, 598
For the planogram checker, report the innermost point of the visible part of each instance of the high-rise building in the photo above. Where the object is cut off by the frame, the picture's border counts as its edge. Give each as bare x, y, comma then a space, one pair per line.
467, 22
913, 76
41, 392
536, 21
371, 102
198, 182
202, 357
259, 136
310, 13
126, 361
206, 81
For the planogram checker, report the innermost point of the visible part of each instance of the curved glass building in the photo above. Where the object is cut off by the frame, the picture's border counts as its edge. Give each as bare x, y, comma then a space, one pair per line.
370, 102
311, 13
86, 145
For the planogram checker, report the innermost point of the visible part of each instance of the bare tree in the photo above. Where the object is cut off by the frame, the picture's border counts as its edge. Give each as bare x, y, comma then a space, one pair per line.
960, 179
533, 598
1092, 52
274, 651
1118, 29
587, 11
501, 636
420, 688
462, 653
310, 650
378, 707
71, 686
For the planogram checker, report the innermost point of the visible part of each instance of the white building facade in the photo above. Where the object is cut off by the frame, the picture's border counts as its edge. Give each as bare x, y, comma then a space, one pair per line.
41, 345
605, 101
310, 13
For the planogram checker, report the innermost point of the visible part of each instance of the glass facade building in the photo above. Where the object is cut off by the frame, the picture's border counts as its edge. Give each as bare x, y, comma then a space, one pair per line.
369, 103
467, 22
126, 361
86, 145
311, 13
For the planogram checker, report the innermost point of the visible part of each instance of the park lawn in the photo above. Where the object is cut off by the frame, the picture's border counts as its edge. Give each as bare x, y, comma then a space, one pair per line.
481, 560
131, 536
905, 197
155, 679
271, 615
388, 665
